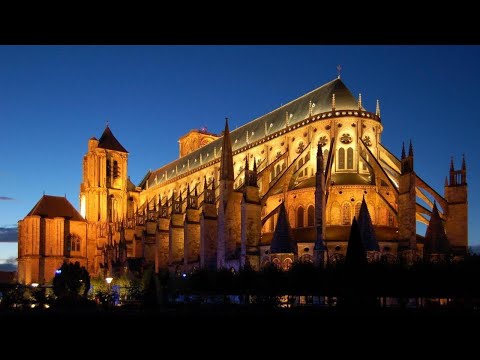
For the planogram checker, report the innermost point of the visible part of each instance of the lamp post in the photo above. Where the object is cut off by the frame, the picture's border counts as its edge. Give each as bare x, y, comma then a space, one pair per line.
109, 281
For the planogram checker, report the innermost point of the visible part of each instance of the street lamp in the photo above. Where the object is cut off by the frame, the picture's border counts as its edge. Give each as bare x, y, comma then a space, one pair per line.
109, 281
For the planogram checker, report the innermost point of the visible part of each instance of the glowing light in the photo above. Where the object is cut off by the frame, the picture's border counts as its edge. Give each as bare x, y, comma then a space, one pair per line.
184, 275
108, 280
83, 210
34, 285
58, 271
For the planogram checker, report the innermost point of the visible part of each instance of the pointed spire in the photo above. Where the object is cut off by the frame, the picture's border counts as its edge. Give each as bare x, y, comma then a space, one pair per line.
377, 110
333, 101
254, 166
109, 141
403, 150
464, 165
436, 241
205, 183
282, 241
452, 168
188, 191
410, 149
359, 101
195, 191
226, 162
246, 164
367, 231
446, 181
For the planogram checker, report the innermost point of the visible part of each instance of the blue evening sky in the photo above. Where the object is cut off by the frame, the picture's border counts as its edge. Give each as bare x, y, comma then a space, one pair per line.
54, 98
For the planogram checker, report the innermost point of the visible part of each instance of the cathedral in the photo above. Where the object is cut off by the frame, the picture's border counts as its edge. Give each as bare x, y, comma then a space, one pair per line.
282, 188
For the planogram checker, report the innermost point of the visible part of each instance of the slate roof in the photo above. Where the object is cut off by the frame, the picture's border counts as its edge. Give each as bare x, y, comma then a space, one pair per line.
55, 206
110, 142
273, 121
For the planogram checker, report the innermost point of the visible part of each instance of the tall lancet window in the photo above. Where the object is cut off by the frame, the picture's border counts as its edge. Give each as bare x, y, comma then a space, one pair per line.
341, 158
357, 209
311, 216
116, 169
108, 168
346, 215
300, 215
350, 158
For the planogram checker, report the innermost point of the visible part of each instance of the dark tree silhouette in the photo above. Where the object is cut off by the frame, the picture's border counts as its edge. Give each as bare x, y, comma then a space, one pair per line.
71, 280
355, 251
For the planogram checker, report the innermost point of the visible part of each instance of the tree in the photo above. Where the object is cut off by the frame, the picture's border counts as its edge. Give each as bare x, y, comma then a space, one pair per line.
71, 280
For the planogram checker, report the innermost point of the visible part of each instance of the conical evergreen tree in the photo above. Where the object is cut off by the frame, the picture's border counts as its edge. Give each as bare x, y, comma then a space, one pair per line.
355, 250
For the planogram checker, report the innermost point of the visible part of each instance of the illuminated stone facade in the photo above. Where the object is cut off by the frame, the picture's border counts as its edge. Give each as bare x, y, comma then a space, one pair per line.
218, 204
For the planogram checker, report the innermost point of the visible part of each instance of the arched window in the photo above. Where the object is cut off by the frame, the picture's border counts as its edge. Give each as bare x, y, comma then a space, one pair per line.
341, 158
287, 264
390, 219
357, 209
346, 215
108, 169
311, 216
278, 170
74, 242
300, 163
276, 262
307, 258
350, 158
300, 214
116, 170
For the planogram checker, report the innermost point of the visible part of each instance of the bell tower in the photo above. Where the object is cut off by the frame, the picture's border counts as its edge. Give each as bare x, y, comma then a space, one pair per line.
104, 186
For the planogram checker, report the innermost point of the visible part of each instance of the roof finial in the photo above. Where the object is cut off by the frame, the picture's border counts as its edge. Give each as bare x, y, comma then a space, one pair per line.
446, 181
360, 101
464, 165
377, 110
108, 123
333, 101
339, 70
311, 105
403, 150
410, 149
452, 168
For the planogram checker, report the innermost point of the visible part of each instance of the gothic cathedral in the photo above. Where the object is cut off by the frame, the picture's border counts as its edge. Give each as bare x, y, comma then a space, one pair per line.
284, 187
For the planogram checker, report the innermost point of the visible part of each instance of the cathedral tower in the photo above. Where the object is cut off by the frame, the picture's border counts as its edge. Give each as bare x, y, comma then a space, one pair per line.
407, 206
456, 225
103, 191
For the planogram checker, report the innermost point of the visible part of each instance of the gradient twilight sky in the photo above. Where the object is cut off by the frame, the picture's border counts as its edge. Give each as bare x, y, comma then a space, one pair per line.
54, 98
